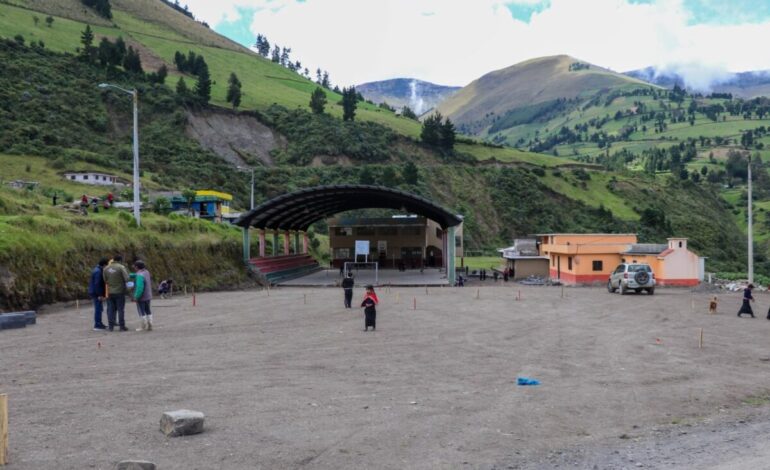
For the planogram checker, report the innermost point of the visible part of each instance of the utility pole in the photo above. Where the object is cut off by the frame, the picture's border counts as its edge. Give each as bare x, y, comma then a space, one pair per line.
135, 96
750, 230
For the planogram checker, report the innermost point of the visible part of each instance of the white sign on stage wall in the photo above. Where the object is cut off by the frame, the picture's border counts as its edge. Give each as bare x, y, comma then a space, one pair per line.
362, 248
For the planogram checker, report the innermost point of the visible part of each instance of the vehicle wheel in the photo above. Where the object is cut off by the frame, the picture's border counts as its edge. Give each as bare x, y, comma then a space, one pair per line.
623, 290
610, 288
651, 291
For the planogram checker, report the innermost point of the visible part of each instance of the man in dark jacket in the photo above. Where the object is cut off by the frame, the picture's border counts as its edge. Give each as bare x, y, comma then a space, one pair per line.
347, 285
96, 292
116, 277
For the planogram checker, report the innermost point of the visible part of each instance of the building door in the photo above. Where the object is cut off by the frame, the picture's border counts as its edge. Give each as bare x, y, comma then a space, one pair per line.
382, 251
558, 267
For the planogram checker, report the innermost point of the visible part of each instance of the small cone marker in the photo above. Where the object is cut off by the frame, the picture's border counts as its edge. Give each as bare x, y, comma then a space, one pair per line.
415, 303
398, 297
478, 294
77, 304
98, 345
304, 299
193, 294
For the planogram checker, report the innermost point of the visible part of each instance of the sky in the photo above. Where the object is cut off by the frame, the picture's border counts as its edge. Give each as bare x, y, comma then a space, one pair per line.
452, 42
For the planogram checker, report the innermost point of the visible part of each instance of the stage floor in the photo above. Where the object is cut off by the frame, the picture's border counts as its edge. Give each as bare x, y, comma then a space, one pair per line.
393, 277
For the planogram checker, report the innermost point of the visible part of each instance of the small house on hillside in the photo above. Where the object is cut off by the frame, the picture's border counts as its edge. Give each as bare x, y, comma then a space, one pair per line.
208, 204
95, 178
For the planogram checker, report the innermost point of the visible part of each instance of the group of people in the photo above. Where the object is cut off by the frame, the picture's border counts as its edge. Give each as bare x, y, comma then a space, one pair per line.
111, 283
369, 304
94, 201
747, 299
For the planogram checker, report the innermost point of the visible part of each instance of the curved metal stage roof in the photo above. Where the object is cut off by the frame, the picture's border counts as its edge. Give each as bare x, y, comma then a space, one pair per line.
299, 209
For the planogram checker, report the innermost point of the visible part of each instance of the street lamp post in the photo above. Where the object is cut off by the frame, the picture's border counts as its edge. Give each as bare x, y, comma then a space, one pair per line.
135, 96
251, 206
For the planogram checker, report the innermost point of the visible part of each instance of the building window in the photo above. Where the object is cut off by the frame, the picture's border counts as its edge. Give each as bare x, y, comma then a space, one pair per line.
569, 263
458, 241
438, 232
553, 261
341, 253
72, 177
387, 231
413, 231
680, 244
85, 177
598, 265
343, 231
364, 230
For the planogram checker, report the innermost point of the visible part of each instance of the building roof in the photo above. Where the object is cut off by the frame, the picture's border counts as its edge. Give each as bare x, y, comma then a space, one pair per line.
646, 249
299, 209
215, 194
585, 234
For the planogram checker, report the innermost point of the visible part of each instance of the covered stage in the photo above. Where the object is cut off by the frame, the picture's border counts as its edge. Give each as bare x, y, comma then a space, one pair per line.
293, 213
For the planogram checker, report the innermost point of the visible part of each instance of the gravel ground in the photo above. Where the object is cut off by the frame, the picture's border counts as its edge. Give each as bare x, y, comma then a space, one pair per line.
290, 380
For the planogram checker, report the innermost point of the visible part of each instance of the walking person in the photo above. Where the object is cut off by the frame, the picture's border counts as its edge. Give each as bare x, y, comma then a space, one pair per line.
347, 286
96, 290
116, 278
84, 205
747, 299
142, 294
55, 198
370, 308
95, 204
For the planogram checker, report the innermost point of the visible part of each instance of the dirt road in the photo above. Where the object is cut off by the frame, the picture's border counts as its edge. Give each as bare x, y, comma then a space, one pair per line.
289, 384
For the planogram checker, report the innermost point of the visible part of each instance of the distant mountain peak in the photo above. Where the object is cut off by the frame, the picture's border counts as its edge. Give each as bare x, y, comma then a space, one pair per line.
419, 95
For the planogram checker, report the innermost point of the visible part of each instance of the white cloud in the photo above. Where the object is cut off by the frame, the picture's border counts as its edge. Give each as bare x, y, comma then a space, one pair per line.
453, 42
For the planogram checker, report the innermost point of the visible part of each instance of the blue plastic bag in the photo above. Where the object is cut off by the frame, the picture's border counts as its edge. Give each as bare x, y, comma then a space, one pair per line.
526, 381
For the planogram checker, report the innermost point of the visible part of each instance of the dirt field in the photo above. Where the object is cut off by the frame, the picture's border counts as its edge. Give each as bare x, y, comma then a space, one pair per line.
286, 384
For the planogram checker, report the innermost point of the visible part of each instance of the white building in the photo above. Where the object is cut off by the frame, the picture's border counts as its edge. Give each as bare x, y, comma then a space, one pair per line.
95, 178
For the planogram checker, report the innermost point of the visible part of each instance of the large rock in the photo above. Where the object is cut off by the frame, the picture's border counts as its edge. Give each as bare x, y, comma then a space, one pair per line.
136, 465
181, 423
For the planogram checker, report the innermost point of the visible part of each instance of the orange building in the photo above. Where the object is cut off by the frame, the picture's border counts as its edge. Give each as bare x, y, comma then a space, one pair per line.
590, 258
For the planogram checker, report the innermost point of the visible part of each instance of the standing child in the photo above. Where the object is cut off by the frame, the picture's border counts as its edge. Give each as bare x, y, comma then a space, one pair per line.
143, 294
370, 311
347, 286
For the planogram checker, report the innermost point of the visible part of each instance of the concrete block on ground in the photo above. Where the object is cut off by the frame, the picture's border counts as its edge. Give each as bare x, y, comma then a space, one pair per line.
181, 423
30, 316
12, 320
135, 465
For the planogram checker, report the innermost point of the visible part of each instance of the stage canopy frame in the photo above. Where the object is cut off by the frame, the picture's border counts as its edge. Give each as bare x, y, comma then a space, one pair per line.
297, 210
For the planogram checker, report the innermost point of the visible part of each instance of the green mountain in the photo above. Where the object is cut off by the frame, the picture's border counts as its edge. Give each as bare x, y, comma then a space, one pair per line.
532, 87
54, 118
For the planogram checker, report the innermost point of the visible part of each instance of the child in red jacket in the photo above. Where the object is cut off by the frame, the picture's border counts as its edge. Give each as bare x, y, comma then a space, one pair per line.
370, 311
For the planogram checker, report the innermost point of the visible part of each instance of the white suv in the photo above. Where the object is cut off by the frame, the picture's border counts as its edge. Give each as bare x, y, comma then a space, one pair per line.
637, 277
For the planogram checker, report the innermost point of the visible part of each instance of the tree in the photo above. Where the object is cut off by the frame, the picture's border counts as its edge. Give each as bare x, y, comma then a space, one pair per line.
318, 76
189, 196
318, 100
160, 75
49, 21
447, 135
349, 103
87, 40
326, 83
102, 7
407, 112
203, 86
132, 62
704, 170
234, 90
262, 45
411, 174
181, 88
105, 52
118, 51
431, 130
276, 57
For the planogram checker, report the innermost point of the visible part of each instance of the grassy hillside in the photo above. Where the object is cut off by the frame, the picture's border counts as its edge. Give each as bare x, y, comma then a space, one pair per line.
535, 81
